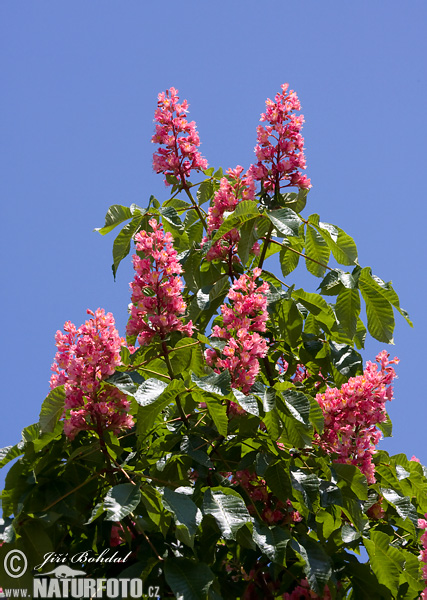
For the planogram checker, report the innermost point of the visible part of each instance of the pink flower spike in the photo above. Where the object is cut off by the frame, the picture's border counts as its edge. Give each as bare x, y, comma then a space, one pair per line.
280, 145
85, 357
353, 412
157, 304
179, 140
242, 319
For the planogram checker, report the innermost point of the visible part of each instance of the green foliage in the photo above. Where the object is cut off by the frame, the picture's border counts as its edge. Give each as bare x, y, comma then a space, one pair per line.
194, 486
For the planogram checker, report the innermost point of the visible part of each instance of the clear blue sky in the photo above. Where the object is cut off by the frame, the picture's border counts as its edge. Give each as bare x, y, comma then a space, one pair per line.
79, 84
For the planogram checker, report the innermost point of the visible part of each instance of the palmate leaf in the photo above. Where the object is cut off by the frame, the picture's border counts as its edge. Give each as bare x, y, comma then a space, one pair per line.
228, 509
217, 411
245, 211
121, 245
10, 452
317, 564
188, 579
277, 478
317, 250
350, 476
116, 214
340, 243
52, 409
248, 237
186, 514
153, 396
121, 500
317, 306
347, 308
378, 308
288, 259
285, 220
386, 561
272, 541
216, 383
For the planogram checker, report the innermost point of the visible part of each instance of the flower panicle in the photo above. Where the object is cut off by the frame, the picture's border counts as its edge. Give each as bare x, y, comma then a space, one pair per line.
85, 357
157, 303
352, 413
233, 189
178, 154
280, 145
242, 322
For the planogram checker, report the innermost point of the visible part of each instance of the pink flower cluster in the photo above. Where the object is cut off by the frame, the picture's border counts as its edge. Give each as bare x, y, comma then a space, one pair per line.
241, 320
274, 511
179, 156
85, 357
303, 592
352, 413
232, 190
422, 524
157, 288
280, 144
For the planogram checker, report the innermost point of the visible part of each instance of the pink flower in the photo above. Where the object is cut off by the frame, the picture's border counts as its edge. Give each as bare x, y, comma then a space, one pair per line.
280, 144
179, 139
157, 288
241, 320
85, 357
352, 412
303, 592
415, 459
233, 189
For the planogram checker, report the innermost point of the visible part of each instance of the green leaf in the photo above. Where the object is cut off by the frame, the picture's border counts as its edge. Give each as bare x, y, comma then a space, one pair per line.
248, 237
121, 246
149, 391
386, 289
121, 500
352, 476
248, 403
228, 509
153, 396
245, 211
316, 416
317, 306
290, 321
157, 512
277, 478
298, 405
378, 308
188, 579
316, 249
116, 214
296, 201
347, 309
317, 564
386, 561
288, 259
52, 409
340, 243
10, 452
274, 426
401, 503
170, 215
272, 541
218, 412
285, 220
215, 383
205, 192
345, 360
186, 514
386, 428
